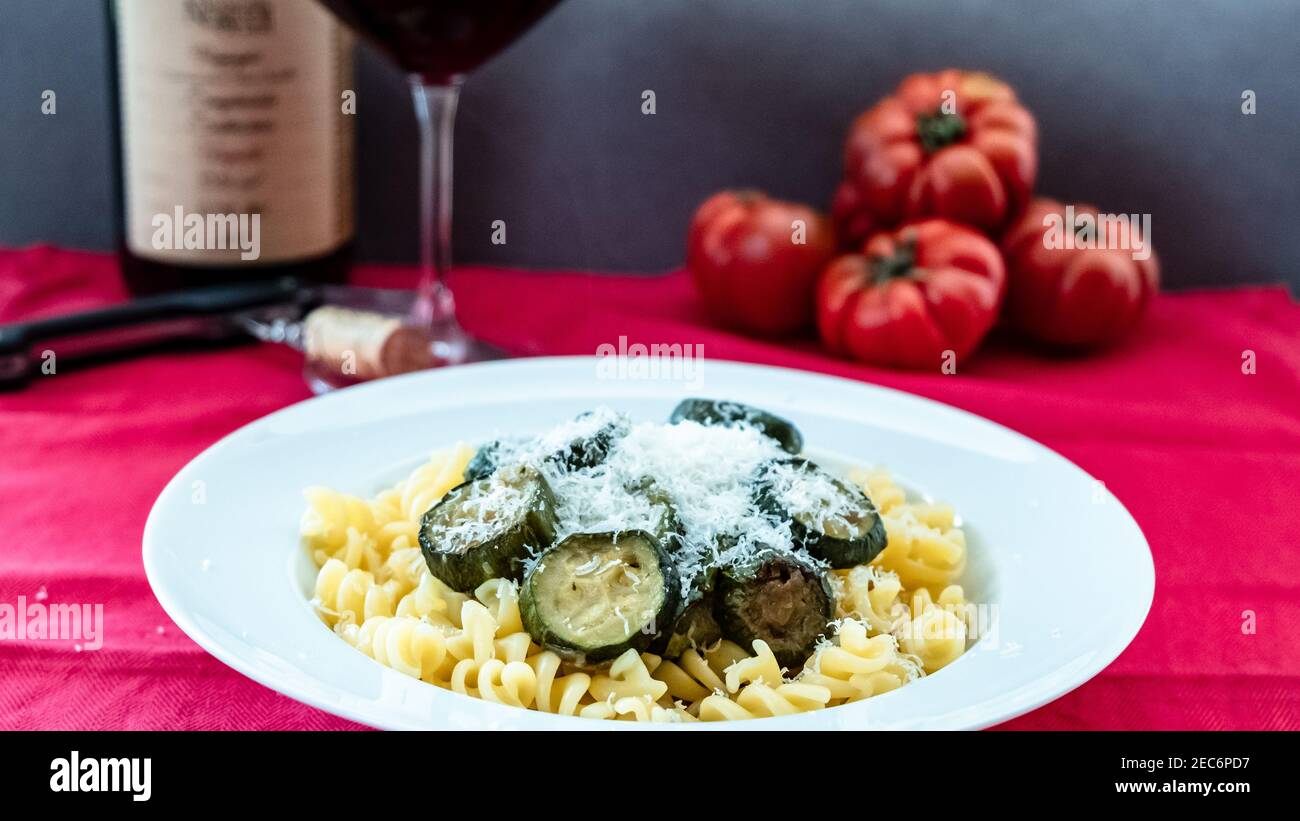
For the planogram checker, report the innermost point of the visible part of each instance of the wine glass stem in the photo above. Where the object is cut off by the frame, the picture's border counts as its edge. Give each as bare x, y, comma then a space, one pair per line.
435, 109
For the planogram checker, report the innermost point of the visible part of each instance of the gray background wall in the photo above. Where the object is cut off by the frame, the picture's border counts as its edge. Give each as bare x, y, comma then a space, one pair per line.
1138, 102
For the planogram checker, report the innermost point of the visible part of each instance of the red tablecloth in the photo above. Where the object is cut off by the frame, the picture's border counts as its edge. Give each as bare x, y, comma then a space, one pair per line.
1205, 456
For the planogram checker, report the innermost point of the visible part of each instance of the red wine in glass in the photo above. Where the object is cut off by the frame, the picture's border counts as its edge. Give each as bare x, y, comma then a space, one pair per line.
437, 42
440, 39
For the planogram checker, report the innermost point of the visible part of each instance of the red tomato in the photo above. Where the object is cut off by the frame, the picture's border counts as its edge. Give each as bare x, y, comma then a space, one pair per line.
755, 260
911, 295
1077, 297
954, 144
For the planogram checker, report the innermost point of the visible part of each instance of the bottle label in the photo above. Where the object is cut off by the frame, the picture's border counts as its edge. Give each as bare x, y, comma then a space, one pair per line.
236, 146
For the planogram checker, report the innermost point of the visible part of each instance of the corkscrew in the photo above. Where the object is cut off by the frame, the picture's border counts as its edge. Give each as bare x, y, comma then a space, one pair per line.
346, 334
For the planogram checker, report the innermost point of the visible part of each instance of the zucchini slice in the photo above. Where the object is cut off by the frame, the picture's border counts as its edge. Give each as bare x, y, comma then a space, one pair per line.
593, 596
583, 450
484, 528
485, 460
779, 597
590, 449
694, 625
667, 526
730, 414
828, 518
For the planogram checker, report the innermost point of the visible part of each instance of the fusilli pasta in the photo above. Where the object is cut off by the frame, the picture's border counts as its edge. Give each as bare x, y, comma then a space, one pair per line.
900, 617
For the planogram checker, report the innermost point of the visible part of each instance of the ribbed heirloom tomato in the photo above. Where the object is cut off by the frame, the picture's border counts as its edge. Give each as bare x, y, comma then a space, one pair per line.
954, 144
755, 260
911, 295
1080, 285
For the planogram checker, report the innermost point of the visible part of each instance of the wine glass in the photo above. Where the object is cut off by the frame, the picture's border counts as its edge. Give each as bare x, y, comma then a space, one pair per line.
437, 42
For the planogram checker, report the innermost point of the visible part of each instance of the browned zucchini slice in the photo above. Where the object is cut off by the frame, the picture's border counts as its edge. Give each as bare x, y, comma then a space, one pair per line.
779, 597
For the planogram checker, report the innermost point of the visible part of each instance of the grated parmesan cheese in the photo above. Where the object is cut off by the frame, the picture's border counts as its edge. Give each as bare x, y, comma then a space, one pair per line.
706, 472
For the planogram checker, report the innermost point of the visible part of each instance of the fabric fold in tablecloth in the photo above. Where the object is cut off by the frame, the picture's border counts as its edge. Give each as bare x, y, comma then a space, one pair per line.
1204, 455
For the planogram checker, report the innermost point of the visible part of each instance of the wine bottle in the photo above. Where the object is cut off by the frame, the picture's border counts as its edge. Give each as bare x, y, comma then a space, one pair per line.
234, 141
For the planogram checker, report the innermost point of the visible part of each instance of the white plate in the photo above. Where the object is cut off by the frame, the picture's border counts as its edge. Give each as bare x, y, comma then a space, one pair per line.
1058, 559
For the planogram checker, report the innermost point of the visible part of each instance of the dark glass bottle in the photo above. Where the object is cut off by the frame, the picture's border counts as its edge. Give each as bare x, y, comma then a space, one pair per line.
233, 134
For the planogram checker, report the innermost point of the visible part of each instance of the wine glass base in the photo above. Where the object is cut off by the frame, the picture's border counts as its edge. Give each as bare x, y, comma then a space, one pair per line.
466, 351
450, 347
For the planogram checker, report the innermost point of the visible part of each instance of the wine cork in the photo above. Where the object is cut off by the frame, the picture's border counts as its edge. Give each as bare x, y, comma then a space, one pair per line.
364, 345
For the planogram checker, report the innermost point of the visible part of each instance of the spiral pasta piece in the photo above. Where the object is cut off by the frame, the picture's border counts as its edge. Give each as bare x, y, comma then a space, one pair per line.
475, 641
403, 571
854, 665
691, 686
555, 693
936, 633
329, 516
391, 530
514, 647
628, 675
761, 668
759, 700
357, 551
879, 487
507, 682
786, 699
925, 545
636, 708
501, 598
939, 516
433, 601
431, 481
396, 535
387, 507
921, 555
408, 645
953, 597
676, 714
871, 595
719, 707
349, 596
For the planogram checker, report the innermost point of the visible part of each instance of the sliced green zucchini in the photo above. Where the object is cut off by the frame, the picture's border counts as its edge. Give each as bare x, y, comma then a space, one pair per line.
667, 526
779, 597
694, 625
484, 528
593, 596
828, 518
729, 414
591, 449
485, 461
